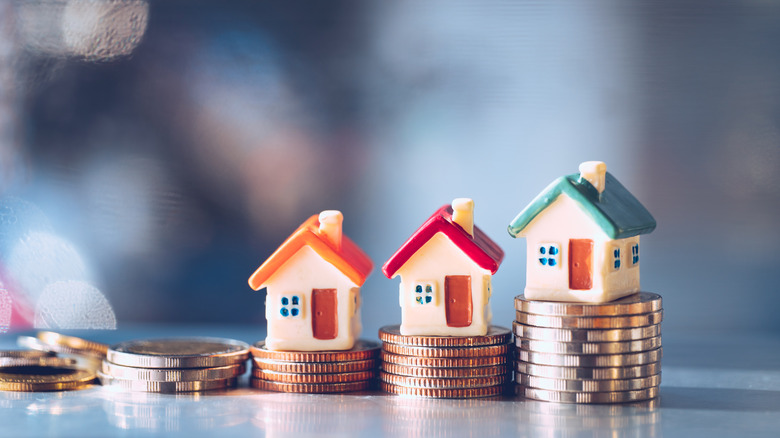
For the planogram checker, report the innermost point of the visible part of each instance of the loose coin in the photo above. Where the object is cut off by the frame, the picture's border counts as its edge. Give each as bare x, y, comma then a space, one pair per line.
483, 351
444, 362
449, 373
588, 385
172, 375
36, 344
577, 373
495, 335
642, 302
588, 347
590, 322
587, 397
74, 343
310, 388
166, 387
34, 378
443, 383
179, 353
361, 351
315, 367
313, 378
42, 361
585, 335
25, 354
443, 393
607, 360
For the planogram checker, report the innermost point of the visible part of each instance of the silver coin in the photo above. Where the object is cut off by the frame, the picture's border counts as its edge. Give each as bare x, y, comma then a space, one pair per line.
179, 353
588, 385
588, 347
585, 335
642, 302
166, 387
590, 322
605, 360
587, 397
577, 373
172, 375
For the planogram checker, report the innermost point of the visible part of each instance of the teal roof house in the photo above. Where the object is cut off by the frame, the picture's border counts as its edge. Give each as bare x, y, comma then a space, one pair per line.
582, 236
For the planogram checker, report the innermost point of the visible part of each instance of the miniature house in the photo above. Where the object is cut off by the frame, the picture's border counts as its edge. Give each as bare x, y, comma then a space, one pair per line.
583, 234
313, 288
446, 269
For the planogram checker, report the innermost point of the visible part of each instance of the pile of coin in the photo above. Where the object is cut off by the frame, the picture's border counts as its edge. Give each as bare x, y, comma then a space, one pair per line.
315, 372
86, 354
175, 365
445, 366
35, 371
589, 353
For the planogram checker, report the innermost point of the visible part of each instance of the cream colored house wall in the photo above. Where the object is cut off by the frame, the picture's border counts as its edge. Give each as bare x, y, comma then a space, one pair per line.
624, 281
435, 260
305, 271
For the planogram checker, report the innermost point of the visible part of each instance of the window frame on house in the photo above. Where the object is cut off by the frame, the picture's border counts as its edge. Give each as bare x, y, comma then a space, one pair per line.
615, 258
428, 293
291, 306
634, 261
548, 255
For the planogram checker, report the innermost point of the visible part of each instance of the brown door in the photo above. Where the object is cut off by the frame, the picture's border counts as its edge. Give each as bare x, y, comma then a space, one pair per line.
324, 314
457, 298
580, 264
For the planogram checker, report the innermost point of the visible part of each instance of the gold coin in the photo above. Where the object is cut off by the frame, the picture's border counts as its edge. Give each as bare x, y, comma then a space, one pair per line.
310, 388
166, 387
635, 304
588, 347
72, 342
495, 335
443, 393
34, 378
587, 397
588, 385
315, 367
443, 383
404, 370
313, 378
444, 362
36, 344
606, 360
590, 322
585, 335
484, 351
577, 373
42, 361
25, 354
179, 353
172, 375
362, 350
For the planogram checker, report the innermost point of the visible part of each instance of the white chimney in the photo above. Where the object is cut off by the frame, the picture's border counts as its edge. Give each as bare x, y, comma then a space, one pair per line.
330, 227
595, 172
463, 214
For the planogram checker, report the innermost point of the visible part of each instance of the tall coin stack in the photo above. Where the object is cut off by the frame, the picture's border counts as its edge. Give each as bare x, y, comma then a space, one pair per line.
445, 366
589, 353
315, 372
175, 365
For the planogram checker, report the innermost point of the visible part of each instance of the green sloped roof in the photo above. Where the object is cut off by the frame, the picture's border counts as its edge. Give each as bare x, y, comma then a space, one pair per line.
616, 210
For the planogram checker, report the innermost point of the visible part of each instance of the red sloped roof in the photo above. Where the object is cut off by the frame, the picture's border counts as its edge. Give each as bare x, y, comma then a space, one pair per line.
483, 251
350, 260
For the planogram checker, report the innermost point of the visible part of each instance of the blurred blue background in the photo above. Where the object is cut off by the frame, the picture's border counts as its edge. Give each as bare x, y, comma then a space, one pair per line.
154, 153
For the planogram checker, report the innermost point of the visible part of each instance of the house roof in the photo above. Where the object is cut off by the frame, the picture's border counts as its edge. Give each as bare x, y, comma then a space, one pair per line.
350, 260
615, 210
479, 248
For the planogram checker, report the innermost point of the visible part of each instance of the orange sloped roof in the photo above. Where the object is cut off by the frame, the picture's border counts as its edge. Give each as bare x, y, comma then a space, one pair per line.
350, 260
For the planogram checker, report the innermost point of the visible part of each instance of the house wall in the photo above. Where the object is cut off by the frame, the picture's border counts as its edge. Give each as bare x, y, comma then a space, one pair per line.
625, 280
305, 271
435, 260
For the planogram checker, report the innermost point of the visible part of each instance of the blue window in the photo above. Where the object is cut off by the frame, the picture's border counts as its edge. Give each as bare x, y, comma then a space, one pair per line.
291, 306
423, 293
615, 258
634, 254
550, 254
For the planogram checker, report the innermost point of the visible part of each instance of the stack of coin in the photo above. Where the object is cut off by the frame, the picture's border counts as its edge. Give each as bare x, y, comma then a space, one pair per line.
445, 366
589, 353
315, 372
175, 365
87, 354
35, 371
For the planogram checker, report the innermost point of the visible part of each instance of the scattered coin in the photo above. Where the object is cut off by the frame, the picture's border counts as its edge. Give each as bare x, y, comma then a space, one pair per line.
313, 378
443, 393
310, 388
576, 373
449, 352
587, 397
585, 335
590, 322
315, 367
443, 383
445, 362
588, 385
167, 387
496, 335
402, 370
35, 378
642, 302
25, 354
42, 361
608, 360
588, 347
200, 352
76, 344
172, 375
363, 350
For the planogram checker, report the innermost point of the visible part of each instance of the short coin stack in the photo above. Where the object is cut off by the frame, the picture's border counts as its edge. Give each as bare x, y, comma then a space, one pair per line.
86, 354
589, 353
35, 371
175, 365
445, 366
315, 372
